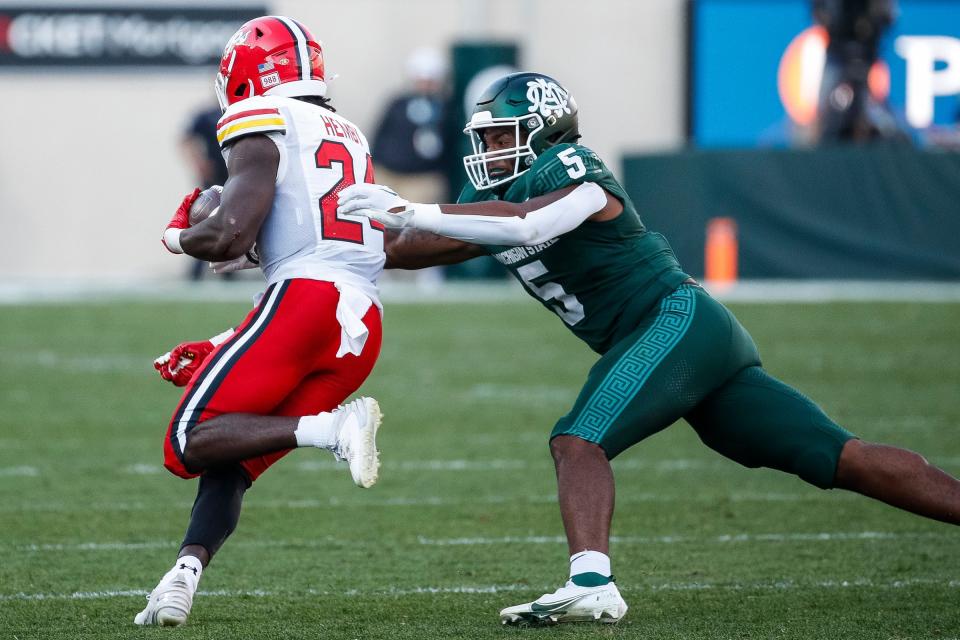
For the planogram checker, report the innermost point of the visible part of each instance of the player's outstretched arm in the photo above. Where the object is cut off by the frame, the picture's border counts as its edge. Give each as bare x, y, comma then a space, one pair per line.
496, 222
246, 201
504, 209
415, 249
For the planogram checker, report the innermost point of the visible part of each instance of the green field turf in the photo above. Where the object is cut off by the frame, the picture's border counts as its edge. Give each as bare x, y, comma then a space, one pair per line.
464, 520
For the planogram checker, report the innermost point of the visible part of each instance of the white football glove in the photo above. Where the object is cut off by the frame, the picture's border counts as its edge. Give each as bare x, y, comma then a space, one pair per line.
369, 196
249, 260
375, 201
390, 220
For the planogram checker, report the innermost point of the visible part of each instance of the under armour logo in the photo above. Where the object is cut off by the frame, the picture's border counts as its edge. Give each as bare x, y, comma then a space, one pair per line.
184, 565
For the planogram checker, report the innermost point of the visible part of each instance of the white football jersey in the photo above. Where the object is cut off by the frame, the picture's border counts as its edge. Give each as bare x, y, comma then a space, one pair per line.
321, 154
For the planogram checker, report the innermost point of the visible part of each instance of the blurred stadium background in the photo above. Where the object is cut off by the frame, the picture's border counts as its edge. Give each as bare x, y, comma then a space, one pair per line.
102, 146
706, 108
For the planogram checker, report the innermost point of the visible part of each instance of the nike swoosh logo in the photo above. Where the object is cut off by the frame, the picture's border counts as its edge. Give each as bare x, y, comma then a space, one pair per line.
556, 606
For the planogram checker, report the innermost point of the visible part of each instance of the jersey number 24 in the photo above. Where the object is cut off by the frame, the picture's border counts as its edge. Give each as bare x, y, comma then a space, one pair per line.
332, 227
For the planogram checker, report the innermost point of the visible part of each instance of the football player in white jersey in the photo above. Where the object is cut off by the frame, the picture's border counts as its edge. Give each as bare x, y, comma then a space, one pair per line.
277, 381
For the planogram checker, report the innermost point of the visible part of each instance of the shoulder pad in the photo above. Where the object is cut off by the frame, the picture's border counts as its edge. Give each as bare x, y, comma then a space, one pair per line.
566, 164
253, 115
468, 194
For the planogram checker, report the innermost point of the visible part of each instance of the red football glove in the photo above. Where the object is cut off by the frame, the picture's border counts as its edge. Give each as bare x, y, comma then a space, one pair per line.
179, 221
180, 363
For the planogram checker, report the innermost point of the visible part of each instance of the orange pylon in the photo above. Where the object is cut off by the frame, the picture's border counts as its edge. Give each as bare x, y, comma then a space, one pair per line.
720, 255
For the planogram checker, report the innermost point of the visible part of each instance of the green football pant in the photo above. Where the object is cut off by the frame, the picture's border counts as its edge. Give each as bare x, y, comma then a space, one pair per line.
690, 358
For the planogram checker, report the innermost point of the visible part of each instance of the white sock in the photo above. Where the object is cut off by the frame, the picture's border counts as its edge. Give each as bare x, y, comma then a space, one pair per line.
188, 566
317, 431
589, 562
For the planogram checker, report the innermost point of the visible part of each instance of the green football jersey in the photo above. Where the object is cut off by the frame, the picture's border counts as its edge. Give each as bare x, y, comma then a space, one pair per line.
600, 278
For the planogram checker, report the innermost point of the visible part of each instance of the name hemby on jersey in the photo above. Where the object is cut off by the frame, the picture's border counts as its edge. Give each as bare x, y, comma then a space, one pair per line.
340, 129
516, 254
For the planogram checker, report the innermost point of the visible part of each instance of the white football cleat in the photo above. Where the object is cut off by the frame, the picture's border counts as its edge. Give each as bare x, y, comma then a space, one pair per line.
168, 605
570, 603
357, 439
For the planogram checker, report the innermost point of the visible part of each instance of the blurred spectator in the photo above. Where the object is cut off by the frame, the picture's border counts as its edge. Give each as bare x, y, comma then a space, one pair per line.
202, 152
848, 112
408, 145
409, 151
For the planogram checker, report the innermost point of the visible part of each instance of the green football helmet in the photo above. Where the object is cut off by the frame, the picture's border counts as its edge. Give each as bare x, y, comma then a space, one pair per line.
542, 113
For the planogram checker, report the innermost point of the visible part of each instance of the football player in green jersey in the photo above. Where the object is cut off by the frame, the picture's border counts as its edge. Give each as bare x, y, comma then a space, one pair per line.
550, 211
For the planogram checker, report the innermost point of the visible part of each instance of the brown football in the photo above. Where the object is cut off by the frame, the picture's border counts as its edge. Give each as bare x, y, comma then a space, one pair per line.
205, 204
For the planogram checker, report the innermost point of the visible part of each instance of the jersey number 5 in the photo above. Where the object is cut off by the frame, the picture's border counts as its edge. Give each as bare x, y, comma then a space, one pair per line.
333, 227
563, 304
573, 163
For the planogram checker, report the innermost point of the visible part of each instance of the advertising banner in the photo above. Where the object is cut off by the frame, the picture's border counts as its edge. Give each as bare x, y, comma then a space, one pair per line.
78, 37
756, 66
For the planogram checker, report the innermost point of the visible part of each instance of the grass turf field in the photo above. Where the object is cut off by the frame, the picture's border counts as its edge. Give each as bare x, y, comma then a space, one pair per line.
464, 520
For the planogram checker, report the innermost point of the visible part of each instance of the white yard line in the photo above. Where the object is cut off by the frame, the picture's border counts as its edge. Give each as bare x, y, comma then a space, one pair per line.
896, 424
107, 290
76, 595
328, 541
143, 469
78, 363
59, 291
424, 501
423, 465
514, 393
21, 471
97, 546
784, 584
497, 465
490, 464
73, 547
685, 539
777, 291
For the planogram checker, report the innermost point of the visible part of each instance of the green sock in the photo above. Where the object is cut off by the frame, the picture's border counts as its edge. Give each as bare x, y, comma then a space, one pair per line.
590, 579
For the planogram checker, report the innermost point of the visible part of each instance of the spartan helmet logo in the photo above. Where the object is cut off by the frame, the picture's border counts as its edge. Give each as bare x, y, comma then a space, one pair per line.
547, 98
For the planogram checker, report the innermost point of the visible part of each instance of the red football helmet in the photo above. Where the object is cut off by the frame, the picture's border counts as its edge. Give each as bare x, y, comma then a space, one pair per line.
270, 55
